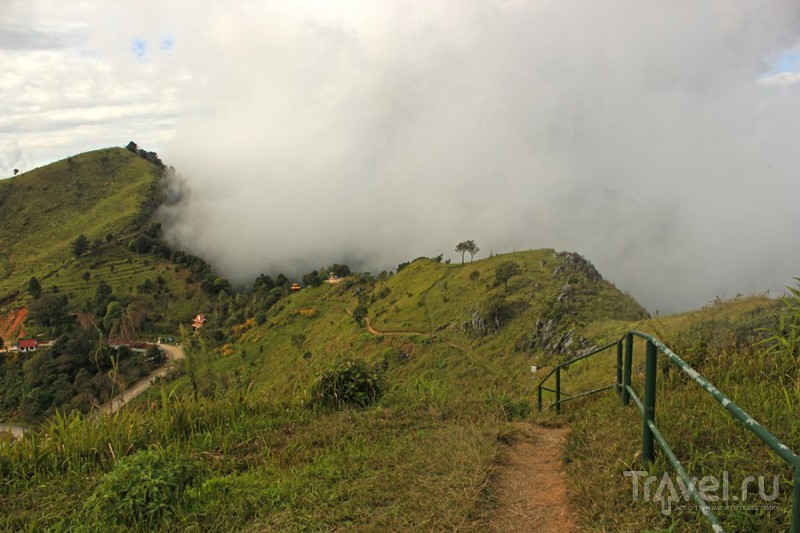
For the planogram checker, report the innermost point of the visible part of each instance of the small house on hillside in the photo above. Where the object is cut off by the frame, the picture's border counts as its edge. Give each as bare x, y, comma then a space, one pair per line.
332, 278
295, 287
199, 321
27, 345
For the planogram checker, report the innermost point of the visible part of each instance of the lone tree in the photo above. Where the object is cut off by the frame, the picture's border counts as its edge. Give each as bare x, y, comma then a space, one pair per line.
474, 275
80, 245
467, 247
472, 250
34, 287
505, 271
16, 171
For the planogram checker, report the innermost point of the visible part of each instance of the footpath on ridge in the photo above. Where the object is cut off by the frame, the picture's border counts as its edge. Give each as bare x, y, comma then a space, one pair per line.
531, 485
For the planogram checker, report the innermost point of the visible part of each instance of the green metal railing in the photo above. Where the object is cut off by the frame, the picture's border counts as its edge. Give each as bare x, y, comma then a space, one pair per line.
650, 432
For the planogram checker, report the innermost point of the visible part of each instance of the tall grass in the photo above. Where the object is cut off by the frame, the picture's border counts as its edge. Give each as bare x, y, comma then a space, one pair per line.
730, 350
410, 460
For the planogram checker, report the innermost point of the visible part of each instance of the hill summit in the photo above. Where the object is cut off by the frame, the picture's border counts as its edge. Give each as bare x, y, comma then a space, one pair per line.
84, 224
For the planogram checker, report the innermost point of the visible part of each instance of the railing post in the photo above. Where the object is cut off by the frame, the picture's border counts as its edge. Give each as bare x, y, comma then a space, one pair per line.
619, 367
558, 390
626, 381
650, 368
796, 502
539, 398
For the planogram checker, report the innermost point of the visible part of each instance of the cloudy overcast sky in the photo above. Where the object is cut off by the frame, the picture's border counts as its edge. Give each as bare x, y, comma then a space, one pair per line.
657, 138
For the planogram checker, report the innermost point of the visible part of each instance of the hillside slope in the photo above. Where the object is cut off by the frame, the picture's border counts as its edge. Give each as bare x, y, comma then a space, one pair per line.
739, 346
454, 364
440, 319
109, 196
244, 441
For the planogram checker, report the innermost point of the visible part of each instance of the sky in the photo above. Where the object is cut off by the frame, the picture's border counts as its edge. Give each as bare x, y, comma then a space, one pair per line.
658, 138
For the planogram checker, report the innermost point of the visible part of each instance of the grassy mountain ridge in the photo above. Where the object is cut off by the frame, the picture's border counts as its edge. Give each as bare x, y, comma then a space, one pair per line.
108, 195
96, 193
124, 285
254, 453
455, 371
460, 324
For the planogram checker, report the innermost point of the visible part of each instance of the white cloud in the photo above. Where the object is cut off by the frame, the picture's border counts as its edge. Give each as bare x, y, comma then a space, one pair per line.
637, 133
71, 83
781, 79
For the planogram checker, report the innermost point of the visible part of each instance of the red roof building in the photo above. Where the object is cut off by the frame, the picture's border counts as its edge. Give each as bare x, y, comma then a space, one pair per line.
27, 345
199, 321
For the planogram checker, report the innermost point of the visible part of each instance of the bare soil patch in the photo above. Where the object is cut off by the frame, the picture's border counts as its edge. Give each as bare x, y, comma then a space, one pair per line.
11, 325
532, 486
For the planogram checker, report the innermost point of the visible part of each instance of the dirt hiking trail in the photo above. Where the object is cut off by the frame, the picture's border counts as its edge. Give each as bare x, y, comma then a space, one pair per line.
532, 486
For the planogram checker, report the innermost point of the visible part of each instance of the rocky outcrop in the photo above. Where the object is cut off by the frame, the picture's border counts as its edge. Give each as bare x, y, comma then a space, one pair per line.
476, 325
573, 263
491, 315
554, 338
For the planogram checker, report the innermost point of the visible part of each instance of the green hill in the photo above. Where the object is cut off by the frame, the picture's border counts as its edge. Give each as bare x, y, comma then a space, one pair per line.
439, 322
449, 371
109, 196
123, 284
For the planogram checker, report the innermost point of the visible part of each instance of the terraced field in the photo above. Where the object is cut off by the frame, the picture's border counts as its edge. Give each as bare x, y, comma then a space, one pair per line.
108, 196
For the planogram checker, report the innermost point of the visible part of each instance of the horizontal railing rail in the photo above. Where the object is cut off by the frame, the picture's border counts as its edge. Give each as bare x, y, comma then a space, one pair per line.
650, 432
557, 370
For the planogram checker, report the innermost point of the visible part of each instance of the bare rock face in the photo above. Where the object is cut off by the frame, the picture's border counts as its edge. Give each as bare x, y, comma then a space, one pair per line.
476, 325
491, 315
573, 263
565, 295
553, 338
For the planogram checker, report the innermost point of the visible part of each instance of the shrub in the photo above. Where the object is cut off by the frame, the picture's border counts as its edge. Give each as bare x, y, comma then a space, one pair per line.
359, 313
511, 408
143, 490
351, 383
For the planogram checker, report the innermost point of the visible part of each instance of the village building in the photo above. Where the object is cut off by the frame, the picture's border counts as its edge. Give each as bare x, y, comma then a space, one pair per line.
199, 321
27, 345
332, 279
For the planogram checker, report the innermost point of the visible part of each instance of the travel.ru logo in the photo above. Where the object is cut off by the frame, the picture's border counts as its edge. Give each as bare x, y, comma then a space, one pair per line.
712, 491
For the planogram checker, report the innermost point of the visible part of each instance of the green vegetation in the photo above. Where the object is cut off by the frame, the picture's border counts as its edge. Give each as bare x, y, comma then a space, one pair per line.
733, 344
86, 221
410, 424
82, 262
505, 271
375, 403
143, 491
348, 383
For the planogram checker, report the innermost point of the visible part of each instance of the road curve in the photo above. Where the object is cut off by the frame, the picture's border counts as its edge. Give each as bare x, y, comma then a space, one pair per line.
173, 353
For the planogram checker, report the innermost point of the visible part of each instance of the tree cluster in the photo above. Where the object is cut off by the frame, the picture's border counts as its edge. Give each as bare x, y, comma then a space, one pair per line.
77, 372
467, 247
144, 154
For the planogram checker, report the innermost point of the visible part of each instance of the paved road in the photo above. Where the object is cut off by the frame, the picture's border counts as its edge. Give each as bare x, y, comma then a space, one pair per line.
173, 353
